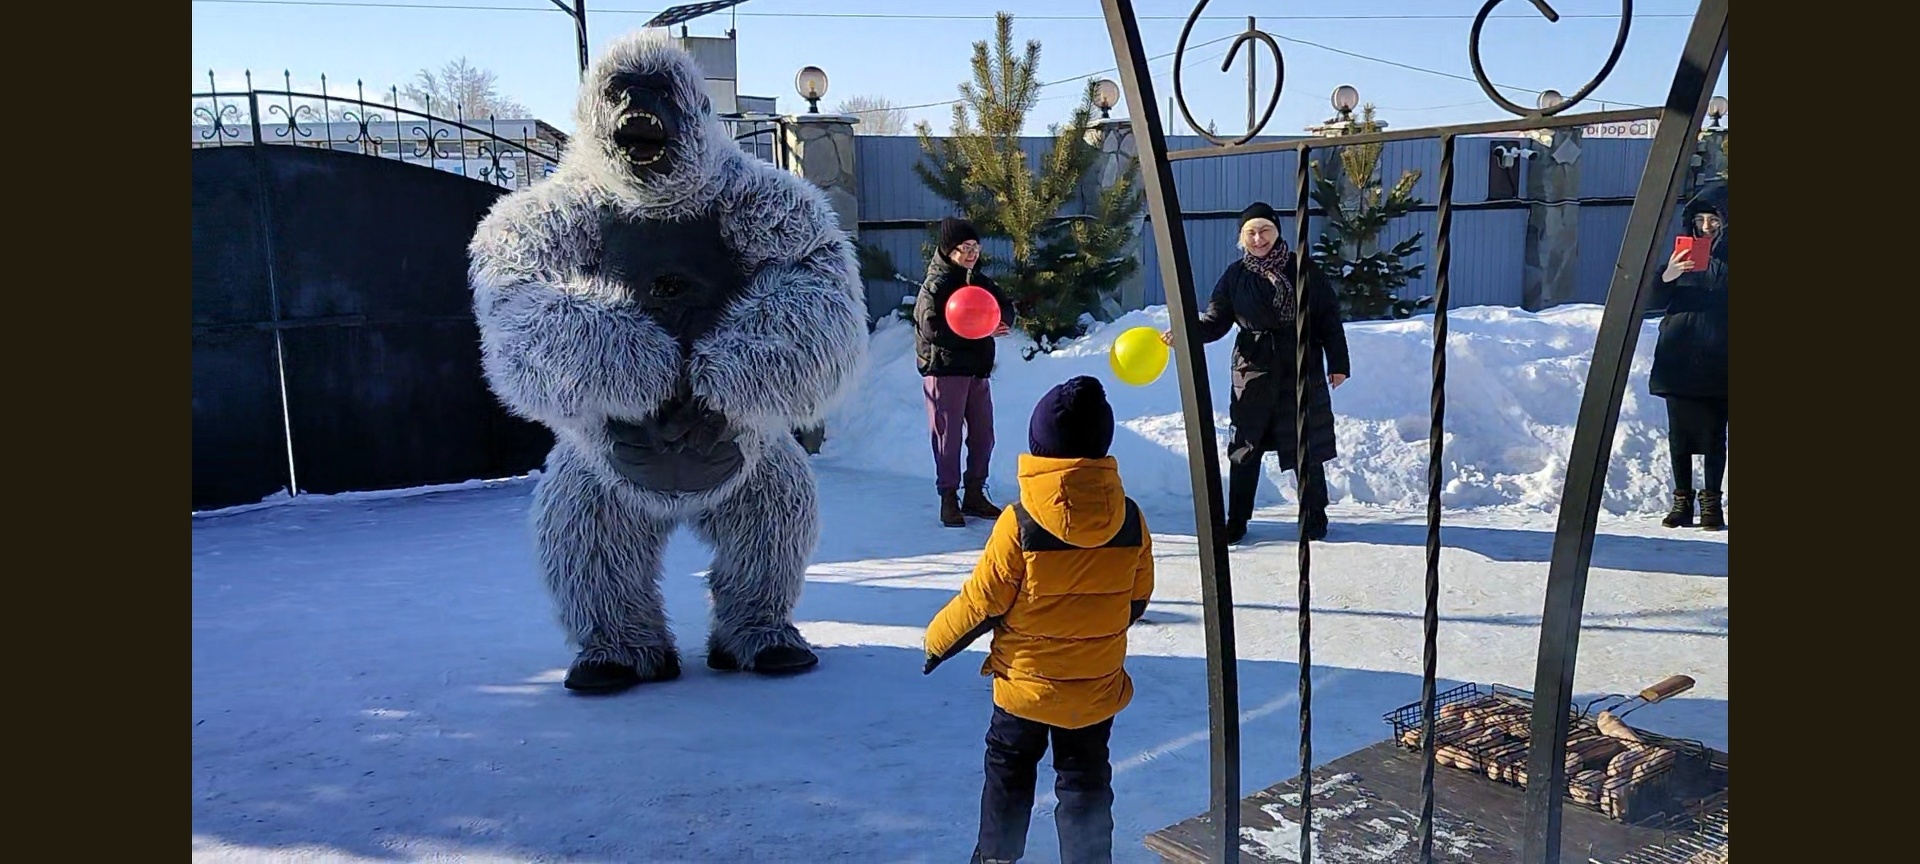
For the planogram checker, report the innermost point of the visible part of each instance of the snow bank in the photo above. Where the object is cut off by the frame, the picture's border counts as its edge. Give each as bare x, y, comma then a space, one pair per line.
281, 497
1514, 381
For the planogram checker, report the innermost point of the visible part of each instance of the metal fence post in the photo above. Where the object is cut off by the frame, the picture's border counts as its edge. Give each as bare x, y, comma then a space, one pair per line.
1667, 163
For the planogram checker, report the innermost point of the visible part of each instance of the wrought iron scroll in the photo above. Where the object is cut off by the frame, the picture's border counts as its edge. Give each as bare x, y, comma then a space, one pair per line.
1252, 34
292, 113
1682, 112
1546, 11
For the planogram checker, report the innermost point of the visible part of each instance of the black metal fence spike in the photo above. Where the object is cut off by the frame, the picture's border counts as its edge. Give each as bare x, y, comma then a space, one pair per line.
218, 121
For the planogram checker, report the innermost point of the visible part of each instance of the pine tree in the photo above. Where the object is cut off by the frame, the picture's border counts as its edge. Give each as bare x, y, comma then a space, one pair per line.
1368, 278
1061, 265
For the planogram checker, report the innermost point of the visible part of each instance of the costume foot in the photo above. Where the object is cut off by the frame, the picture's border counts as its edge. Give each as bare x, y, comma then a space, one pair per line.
774, 660
598, 677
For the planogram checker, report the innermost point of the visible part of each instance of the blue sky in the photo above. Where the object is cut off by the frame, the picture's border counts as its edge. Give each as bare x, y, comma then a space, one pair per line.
1409, 57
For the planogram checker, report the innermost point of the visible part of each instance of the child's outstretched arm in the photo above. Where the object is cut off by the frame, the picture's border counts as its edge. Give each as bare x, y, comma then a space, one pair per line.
1143, 573
987, 596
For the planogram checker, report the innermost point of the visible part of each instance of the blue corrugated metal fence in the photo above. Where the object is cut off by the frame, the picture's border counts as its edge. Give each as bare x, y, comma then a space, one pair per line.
1489, 236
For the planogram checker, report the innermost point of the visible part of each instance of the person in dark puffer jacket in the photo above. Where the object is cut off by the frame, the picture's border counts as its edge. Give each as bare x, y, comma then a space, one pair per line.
1256, 294
1690, 363
1065, 574
954, 374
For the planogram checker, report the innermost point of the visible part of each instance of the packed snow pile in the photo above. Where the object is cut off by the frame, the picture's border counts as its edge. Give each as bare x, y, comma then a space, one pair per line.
1514, 383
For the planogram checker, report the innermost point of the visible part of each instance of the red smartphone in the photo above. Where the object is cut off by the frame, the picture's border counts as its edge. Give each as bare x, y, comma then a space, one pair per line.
1696, 249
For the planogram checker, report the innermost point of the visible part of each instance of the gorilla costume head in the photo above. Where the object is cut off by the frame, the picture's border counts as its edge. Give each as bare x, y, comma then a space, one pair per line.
646, 127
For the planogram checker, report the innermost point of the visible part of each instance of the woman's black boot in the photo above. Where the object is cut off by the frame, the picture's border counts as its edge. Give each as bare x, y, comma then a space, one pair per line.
1712, 517
1681, 516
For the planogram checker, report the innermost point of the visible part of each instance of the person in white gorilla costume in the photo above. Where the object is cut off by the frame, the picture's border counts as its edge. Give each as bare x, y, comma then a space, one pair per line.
672, 309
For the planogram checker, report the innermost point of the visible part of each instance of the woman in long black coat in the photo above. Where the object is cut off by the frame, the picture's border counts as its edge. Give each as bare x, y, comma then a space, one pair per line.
1690, 363
1256, 294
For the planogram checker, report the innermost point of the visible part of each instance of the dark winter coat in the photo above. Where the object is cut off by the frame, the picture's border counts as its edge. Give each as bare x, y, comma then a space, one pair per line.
1690, 358
1262, 409
941, 351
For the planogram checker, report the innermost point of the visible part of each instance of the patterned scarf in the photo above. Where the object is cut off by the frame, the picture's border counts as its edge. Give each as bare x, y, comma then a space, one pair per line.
1273, 267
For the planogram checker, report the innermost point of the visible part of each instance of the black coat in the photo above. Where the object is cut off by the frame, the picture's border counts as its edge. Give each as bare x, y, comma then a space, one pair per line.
1262, 409
941, 351
1690, 358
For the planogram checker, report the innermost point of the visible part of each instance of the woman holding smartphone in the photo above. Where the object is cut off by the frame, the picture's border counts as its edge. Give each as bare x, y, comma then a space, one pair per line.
1690, 359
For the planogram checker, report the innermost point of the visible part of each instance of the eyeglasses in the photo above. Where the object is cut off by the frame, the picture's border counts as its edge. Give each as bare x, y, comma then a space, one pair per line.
968, 248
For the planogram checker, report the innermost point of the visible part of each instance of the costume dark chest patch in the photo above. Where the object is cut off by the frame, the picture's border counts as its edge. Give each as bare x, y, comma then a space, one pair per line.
682, 274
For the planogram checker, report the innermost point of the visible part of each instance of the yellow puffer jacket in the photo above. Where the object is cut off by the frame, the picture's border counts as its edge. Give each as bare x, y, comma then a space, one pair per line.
1067, 570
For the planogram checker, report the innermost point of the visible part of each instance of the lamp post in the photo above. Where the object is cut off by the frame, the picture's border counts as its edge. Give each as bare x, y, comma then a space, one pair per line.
1716, 109
1345, 99
578, 12
811, 84
1106, 94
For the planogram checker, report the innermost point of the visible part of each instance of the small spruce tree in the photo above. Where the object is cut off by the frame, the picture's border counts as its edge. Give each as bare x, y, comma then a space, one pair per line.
1061, 265
1368, 278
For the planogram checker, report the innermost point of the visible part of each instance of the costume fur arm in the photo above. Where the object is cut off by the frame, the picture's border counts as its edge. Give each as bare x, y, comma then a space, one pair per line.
558, 347
786, 349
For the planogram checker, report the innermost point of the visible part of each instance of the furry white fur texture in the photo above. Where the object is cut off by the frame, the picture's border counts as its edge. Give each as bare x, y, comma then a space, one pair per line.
571, 351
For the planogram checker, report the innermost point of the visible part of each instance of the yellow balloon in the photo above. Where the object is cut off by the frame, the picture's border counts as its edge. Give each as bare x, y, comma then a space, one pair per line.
1138, 356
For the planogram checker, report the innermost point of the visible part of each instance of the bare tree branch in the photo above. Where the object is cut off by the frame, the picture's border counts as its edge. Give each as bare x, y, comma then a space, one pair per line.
878, 115
474, 90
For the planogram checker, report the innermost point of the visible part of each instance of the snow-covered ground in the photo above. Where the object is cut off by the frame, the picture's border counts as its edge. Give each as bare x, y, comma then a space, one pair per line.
376, 677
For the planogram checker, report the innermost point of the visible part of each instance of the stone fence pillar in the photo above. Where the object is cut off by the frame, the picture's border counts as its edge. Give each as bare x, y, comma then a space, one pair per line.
820, 148
1114, 135
1551, 272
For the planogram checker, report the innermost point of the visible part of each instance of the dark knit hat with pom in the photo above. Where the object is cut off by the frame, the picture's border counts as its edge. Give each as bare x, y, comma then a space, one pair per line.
1073, 421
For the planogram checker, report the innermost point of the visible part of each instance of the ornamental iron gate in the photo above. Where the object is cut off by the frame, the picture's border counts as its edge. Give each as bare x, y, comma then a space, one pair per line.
1661, 181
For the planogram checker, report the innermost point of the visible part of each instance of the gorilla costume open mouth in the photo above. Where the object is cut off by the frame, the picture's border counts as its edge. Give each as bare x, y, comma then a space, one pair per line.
643, 138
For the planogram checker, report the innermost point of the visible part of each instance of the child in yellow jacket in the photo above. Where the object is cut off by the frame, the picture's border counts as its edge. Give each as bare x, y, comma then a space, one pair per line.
1067, 570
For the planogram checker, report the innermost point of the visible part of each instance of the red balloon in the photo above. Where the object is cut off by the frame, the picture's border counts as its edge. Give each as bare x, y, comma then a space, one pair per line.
972, 313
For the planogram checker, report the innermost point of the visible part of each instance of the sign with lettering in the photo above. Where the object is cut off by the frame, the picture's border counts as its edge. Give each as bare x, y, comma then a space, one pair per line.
1635, 129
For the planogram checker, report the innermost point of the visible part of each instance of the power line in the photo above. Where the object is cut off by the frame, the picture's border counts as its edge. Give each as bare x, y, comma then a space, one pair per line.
898, 16
392, 4
1043, 86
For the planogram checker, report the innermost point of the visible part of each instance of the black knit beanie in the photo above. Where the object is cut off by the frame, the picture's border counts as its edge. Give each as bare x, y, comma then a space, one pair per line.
954, 232
1073, 421
1259, 210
